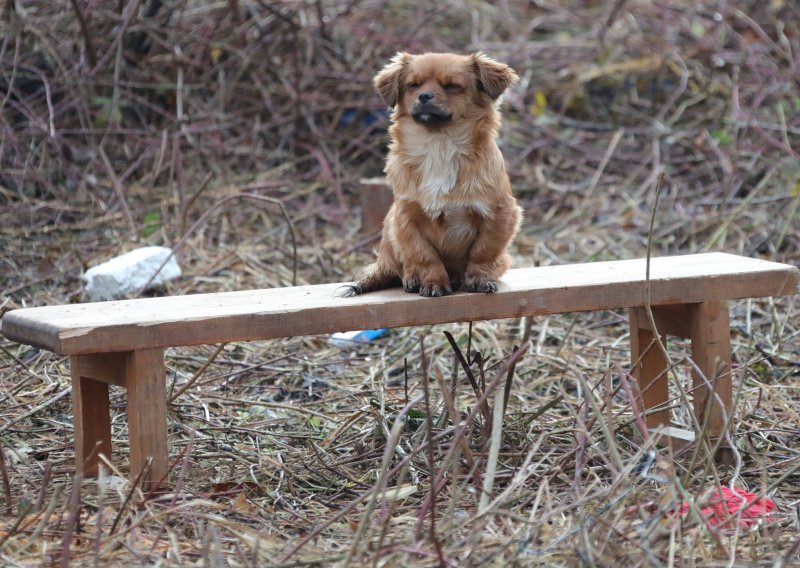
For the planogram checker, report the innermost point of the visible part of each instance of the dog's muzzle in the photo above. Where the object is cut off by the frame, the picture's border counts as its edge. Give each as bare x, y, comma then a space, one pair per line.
429, 113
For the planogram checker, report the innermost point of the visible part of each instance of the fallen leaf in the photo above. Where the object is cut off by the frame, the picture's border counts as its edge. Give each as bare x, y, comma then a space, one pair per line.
240, 504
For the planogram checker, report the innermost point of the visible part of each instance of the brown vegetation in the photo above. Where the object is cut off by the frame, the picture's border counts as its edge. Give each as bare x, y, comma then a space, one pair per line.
153, 122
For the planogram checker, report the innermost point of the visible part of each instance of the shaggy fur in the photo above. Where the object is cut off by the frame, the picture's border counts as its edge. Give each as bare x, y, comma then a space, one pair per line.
453, 215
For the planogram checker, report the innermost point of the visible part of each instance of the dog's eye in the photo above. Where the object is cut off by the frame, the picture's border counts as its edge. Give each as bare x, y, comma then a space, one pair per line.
453, 87
413, 85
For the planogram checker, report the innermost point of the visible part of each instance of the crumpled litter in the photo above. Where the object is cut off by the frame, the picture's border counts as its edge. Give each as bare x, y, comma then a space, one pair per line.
724, 509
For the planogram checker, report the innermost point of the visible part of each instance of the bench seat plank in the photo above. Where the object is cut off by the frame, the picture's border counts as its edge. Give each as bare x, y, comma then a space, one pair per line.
151, 323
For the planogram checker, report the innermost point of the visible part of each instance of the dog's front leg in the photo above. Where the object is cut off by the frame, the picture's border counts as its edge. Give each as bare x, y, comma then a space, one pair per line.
488, 258
423, 270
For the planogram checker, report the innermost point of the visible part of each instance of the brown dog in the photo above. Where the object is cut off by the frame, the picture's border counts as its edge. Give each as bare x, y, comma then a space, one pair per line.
453, 215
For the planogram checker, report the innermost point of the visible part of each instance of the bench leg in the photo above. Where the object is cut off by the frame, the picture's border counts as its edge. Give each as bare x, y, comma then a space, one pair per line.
707, 326
650, 369
145, 379
144, 375
91, 418
711, 352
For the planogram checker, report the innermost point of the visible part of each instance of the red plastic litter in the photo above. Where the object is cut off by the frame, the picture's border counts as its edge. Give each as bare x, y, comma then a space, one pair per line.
725, 508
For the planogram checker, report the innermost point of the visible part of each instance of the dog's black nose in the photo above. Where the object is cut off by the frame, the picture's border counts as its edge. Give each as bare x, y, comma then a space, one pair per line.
425, 96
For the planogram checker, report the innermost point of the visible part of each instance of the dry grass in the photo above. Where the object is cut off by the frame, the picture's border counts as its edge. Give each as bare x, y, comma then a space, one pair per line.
156, 126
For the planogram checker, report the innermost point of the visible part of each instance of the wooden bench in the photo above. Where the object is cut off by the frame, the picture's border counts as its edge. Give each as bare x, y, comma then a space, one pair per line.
122, 343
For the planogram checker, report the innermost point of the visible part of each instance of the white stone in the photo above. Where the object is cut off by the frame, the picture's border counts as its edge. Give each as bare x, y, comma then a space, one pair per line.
129, 273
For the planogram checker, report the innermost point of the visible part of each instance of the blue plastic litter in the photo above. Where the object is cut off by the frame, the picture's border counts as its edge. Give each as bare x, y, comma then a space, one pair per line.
348, 338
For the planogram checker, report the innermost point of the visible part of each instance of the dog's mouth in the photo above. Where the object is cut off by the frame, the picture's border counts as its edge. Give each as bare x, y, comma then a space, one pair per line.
430, 115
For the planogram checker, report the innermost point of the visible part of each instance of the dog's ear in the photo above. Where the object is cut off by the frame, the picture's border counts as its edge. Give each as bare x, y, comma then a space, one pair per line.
389, 81
493, 77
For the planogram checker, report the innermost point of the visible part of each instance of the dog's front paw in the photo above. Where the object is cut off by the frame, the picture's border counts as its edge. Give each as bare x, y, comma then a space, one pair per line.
431, 290
480, 284
411, 284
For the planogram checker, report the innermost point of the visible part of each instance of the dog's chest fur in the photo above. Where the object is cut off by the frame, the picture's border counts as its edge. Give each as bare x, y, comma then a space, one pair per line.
437, 159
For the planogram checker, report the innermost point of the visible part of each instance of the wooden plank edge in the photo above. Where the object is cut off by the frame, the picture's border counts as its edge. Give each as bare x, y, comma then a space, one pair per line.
69, 341
669, 436
16, 327
398, 311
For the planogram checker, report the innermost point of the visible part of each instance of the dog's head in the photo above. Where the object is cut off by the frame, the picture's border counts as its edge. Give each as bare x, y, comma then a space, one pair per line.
435, 89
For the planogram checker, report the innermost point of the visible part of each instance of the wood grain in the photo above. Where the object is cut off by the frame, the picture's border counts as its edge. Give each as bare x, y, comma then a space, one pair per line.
106, 368
672, 320
376, 198
145, 378
711, 352
306, 310
649, 366
92, 420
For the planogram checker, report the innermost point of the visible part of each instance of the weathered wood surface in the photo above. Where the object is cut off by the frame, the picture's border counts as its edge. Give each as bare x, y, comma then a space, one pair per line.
150, 323
143, 373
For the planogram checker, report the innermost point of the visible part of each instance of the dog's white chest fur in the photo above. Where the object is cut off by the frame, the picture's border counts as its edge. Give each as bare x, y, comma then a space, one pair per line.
437, 158
437, 162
